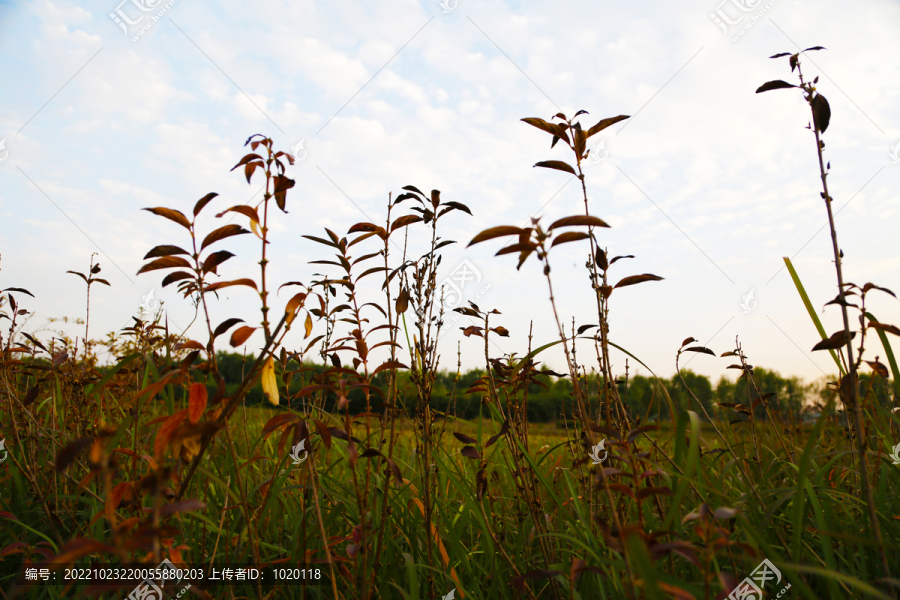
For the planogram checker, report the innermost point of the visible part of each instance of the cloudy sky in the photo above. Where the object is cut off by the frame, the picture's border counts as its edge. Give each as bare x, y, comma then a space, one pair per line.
708, 184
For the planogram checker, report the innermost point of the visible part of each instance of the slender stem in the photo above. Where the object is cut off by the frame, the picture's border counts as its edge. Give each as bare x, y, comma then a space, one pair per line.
852, 366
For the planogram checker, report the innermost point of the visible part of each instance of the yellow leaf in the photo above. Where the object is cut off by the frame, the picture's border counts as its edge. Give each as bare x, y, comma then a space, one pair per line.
190, 447
308, 325
255, 227
269, 384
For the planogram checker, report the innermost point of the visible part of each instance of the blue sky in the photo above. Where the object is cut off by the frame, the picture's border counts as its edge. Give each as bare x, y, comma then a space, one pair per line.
708, 184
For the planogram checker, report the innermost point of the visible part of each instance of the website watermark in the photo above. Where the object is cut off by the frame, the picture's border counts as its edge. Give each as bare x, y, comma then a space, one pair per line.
452, 290
6, 454
125, 22
595, 453
736, 20
751, 588
296, 450
748, 302
298, 151
895, 455
449, 5
894, 153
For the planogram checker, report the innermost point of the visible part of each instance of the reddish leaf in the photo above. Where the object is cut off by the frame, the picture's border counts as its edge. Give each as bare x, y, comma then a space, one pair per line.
604, 123
197, 402
165, 250
278, 421
495, 232
569, 236
391, 364
165, 432
203, 202
221, 233
240, 335
215, 259
224, 284
166, 262
172, 215
404, 221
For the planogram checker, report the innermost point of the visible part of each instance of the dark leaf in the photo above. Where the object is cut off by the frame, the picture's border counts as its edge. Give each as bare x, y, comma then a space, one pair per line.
402, 302
884, 327
604, 123
225, 326
821, 112
569, 236
579, 220
458, 206
540, 124
215, 259
71, 451
556, 164
165, 250
774, 85
470, 452
166, 262
495, 232
503, 431
633, 279
172, 215
404, 221
464, 438
222, 233
15, 289
176, 276
203, 202
700, 349
837, 341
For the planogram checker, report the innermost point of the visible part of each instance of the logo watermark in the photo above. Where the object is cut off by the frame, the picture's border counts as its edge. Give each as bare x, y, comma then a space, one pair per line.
449, 5
751, 587
149, 590
895, 455
748, 302
449, 596
738, 15
6, 454
595, 453
464, 275
599, 152
4, 150
298, 151
150, 303
296, 450
124, 21
894, 154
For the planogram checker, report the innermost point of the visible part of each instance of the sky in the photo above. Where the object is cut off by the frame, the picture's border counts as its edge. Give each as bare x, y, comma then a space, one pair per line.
108, 109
